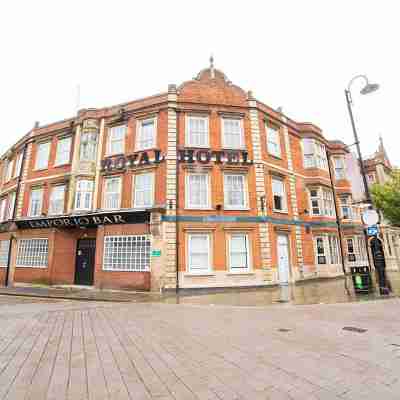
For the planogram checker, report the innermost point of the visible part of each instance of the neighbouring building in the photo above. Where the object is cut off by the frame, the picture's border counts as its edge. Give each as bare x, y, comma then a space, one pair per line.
378, 169
200, 186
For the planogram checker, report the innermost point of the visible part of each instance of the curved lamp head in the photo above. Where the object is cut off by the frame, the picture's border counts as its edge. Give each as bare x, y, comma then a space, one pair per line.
369, 88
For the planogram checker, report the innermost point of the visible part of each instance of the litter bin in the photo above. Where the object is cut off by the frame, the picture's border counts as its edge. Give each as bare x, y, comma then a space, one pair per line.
362, 280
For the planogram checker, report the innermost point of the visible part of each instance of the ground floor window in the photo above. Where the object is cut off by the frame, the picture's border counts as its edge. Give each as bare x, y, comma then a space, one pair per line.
127, 253
199, 252
33, 253
327, 249
4, 246
356, 250
239, 252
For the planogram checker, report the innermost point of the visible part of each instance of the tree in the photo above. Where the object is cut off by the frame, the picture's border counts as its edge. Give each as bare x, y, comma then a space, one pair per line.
386, 198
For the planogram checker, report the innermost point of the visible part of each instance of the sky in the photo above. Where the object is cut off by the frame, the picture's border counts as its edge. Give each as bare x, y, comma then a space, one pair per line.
299, 55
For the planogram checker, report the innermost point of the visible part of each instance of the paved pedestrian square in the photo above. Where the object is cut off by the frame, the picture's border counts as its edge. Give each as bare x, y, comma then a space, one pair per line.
76, 350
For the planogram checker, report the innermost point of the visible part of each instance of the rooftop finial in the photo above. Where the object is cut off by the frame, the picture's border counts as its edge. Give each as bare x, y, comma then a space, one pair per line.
212, 66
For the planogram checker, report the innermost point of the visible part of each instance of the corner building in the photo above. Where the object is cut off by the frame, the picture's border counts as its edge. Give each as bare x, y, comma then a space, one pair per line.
201, 186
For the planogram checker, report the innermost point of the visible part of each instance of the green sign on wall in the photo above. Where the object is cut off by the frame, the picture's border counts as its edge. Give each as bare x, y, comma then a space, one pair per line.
156, 253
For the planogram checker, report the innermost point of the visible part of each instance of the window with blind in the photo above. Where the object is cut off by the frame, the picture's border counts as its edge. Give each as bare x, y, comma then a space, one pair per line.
83, 195
63, 151
279, 195
144, 190
197, 191
4, 247
232, 137
42, 155
273, 141
199, 253
116, 140
146, 134
314, 154
32, 253
197, 131
127, 253
112, 193
36, 202
239, 252
235, 192
57, 200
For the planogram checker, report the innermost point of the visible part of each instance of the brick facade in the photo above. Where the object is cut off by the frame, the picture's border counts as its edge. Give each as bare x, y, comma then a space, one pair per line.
267, 233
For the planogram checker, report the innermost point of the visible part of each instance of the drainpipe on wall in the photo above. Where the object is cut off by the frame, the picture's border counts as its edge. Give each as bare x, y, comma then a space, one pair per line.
328, 156
177, 206
13, 213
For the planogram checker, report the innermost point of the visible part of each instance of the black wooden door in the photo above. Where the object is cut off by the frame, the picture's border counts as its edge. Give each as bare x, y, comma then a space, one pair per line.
84, 267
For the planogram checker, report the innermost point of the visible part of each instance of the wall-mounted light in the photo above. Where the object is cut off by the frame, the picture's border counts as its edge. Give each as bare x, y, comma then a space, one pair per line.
218, 207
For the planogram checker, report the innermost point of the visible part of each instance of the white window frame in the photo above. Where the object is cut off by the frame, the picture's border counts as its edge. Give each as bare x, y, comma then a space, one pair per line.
324, 198
31, 260
317, 254
345, 204
40, 202
63, 155
11, 204
128, 259
53, 211
188, 187
273, 140
329, 251
83, 194
248, 252
152, 193
18, 164
340, 168
188, 138
241, 144
139, 132
42, 156
208, 268
88, 147
4, 249
228, 206
317, 158
3, 208
283, 195
112, 132
10, 167
107, 193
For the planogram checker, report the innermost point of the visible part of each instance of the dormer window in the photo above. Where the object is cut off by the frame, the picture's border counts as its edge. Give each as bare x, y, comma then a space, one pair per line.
314, 154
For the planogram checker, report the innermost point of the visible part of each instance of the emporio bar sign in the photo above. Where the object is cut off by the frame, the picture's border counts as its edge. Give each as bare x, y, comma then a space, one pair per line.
86, 221
184, 156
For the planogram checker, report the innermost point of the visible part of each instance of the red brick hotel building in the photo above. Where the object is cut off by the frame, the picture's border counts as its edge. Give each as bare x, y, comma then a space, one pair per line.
200, 186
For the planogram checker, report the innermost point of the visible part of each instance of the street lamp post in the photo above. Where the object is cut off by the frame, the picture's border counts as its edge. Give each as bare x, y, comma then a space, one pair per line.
368, 88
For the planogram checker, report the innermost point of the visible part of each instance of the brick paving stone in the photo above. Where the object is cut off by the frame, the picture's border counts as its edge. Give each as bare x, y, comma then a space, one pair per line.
75, 350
